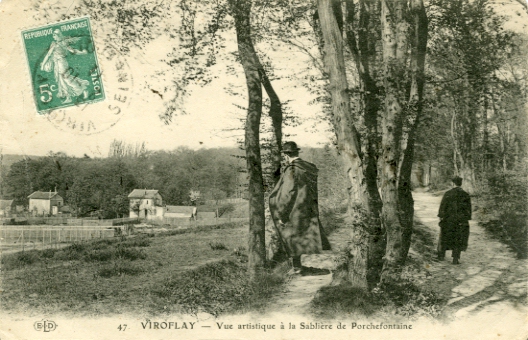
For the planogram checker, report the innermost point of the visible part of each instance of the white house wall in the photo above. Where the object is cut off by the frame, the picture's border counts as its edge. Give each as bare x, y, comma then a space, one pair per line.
39, 207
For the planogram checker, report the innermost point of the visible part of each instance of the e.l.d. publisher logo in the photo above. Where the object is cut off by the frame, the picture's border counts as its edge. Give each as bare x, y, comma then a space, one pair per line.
45, 326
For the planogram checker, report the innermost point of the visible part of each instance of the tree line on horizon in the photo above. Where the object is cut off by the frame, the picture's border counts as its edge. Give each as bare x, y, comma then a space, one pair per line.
440, 82
100, 186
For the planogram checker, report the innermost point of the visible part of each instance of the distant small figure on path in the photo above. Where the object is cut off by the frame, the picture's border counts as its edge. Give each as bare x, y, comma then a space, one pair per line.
454, 213
294, 208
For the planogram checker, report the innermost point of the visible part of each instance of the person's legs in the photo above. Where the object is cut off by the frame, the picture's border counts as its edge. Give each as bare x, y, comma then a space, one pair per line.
297, 262
441, 253
456, 256
296, 265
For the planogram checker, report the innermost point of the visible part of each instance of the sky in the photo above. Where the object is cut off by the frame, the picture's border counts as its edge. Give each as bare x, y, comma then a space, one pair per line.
210, 110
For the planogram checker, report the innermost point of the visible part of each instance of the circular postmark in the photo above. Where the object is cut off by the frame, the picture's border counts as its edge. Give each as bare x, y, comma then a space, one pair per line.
91, 118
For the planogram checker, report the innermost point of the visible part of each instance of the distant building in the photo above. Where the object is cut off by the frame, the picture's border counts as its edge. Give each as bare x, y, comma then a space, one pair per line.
65, 210
45, 203
179, 211
146, 204
6, 208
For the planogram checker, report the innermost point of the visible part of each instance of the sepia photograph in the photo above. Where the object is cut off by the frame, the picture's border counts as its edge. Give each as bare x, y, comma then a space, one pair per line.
264, 169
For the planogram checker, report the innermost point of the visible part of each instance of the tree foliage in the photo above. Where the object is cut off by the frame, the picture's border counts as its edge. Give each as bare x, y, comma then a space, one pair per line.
100, 186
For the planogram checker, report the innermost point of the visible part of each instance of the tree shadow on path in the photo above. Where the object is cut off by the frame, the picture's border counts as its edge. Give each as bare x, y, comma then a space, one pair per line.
489, 280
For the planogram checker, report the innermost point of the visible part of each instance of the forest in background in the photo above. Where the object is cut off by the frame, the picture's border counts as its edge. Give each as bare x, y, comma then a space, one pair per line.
100, 186
440, 84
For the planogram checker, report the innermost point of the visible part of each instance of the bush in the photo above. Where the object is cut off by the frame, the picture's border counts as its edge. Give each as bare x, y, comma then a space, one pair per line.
48, 253
99, 255
96, 251
131, 254
136, 242
217, 246
218, 288
119, 268
20, 259
402, 298
504, 209
225, 209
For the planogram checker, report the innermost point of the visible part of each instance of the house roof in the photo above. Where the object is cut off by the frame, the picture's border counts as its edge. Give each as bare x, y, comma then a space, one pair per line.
4, 204
43, 195
180, 209
143, 193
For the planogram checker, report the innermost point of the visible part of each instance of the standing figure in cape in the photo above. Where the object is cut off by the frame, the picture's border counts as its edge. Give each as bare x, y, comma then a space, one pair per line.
294, 208
454, 213
69, 85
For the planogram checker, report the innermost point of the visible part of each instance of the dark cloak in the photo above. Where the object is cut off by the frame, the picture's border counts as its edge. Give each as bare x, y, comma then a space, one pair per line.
294, 201
454, 213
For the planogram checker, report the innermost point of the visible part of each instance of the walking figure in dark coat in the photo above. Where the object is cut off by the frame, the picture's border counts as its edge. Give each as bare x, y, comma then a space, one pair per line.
454, 213
294, 208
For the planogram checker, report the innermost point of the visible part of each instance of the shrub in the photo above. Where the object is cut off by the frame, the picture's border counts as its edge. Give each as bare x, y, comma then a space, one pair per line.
103, 243
119, 268
99, 255
20, 259
218, 288
401, 298
225, 209
48, 253
77, 247
503, 197
217, 246
74, 252
131, 254
136, 242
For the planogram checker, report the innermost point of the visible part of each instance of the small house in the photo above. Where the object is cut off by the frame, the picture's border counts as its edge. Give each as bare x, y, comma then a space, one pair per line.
6, 208
45, 203
180, 211
146, 204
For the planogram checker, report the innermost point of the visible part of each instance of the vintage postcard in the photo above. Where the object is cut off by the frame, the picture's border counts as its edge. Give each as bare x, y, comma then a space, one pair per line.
247, 169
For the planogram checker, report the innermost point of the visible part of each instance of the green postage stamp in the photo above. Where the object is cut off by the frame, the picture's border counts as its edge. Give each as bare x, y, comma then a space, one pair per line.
63, 65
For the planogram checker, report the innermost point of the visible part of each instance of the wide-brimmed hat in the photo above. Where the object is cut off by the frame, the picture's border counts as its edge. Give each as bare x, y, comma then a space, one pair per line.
457, 180
290, 147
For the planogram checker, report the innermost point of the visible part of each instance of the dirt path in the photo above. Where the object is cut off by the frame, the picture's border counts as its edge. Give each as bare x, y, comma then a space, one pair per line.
296, 298
489, 286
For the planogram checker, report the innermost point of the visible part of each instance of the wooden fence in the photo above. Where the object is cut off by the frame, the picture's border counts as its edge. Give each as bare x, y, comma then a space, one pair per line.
55, 221
225, 201
186, 222
40, 237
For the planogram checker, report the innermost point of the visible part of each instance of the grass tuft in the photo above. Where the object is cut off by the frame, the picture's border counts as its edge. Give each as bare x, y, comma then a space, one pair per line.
220, 287
401, 298
120, 268
95, 251
20, 259
217, 246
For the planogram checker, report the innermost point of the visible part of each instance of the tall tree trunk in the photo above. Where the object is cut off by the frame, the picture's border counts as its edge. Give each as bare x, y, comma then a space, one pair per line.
276, 121
241, 10
363, 51
347, 140
394, 52
485, 137
415, 107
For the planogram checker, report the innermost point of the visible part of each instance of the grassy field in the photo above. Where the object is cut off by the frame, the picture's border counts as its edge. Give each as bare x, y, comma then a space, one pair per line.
183, 271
